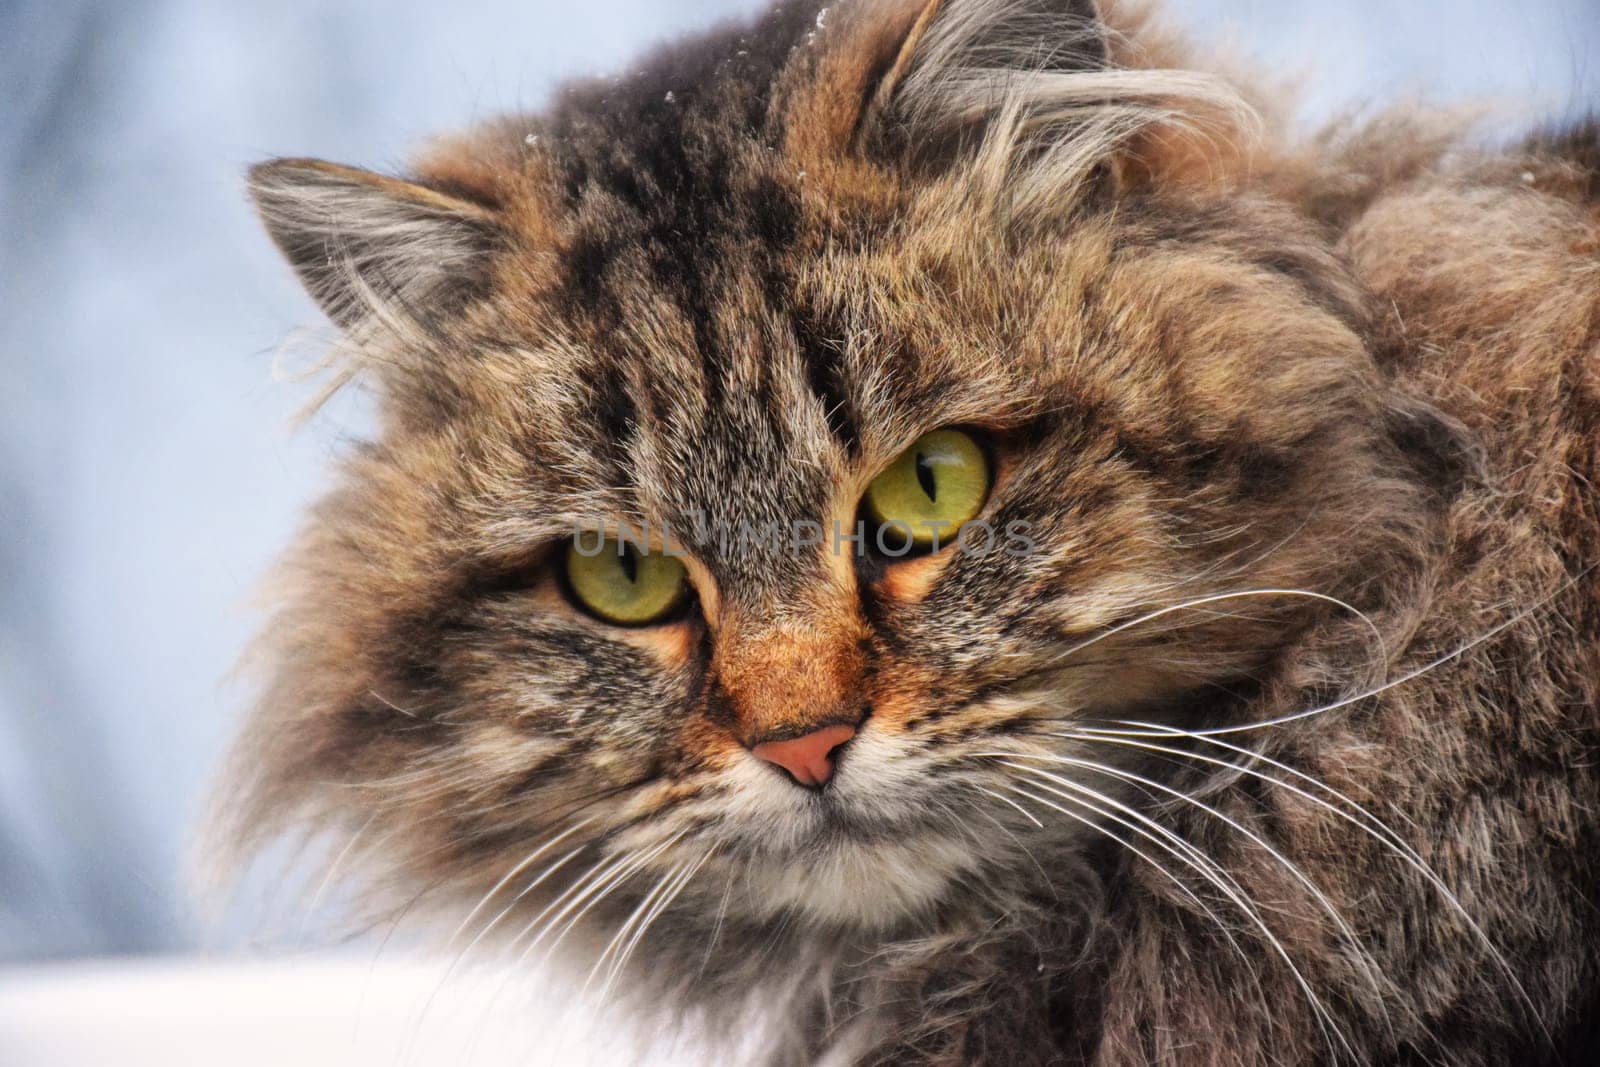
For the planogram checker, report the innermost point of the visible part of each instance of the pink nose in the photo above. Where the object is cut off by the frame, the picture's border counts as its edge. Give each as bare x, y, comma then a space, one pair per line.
809, 758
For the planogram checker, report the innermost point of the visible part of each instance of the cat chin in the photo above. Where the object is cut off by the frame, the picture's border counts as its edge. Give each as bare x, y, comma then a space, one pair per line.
860, 884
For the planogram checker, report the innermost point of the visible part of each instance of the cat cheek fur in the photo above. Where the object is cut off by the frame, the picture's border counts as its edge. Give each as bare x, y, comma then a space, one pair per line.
1279, 423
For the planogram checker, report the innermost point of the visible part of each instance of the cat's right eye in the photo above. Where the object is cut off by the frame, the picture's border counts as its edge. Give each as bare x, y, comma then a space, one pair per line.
619, 582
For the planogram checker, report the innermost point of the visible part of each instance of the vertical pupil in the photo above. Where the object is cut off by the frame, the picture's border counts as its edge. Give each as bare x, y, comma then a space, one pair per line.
629, 558
926, 479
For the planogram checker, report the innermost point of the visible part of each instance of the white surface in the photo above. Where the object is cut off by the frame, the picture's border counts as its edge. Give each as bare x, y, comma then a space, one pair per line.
304, 1013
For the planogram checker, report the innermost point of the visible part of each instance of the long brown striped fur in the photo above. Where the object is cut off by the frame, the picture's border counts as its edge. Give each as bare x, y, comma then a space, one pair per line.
1305, 431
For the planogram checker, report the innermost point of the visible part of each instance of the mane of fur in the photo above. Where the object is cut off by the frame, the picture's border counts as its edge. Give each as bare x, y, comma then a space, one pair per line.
1363, 364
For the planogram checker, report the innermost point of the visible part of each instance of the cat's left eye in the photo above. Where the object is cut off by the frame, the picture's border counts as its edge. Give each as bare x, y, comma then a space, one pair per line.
623, 584
932, 488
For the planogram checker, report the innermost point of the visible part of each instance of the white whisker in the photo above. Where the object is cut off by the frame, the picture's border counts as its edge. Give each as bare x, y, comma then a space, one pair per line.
626, 926
1374, 974
599, 890
716, 929
1404, 678
517, 869
1026, 814
1208, 869
1191, 857
1379, 830
1215, 598
673, 891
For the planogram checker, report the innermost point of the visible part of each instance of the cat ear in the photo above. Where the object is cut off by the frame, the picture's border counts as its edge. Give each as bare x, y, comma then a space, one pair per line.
949, 58
1044, 97
970, 38
357, 238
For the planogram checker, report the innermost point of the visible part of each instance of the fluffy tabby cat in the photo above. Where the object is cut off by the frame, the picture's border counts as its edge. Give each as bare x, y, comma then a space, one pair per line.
1275, 741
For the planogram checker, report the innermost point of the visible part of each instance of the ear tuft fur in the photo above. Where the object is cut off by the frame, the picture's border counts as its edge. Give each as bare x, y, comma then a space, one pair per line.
1032, 92
358, 239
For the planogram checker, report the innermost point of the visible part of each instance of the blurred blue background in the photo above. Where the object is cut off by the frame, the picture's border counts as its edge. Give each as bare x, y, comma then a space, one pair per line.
148, 469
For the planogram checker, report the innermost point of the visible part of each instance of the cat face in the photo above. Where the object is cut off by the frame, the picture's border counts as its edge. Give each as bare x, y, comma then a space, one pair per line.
712, 306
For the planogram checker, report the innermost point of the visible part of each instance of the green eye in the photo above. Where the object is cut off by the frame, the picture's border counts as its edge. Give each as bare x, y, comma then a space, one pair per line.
933, 487
622, 584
